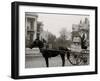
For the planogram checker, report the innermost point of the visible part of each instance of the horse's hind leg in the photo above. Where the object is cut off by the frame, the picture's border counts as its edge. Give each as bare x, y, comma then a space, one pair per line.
47, 63
63, 59
68, 55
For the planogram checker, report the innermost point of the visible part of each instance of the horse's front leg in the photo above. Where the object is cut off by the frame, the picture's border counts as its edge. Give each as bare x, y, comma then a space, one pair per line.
63, 59
47, 62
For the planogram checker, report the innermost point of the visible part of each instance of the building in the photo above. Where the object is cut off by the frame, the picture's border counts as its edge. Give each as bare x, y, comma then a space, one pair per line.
84, 28
30, 28
33, 30
39, 29
78, 30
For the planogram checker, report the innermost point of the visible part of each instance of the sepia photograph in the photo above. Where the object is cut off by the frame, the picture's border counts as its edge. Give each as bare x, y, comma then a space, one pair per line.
50, 40
56, 40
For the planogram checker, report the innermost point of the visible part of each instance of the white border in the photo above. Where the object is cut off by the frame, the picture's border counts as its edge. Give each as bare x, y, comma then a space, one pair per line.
53, 70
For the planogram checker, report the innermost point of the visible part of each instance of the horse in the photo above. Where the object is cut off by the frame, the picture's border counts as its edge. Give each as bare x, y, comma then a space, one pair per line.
48, 53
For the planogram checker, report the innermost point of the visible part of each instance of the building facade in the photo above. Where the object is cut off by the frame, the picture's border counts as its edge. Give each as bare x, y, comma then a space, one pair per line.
30, 28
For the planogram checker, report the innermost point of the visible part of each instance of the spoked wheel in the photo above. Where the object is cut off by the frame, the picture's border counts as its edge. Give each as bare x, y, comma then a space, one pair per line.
75, 59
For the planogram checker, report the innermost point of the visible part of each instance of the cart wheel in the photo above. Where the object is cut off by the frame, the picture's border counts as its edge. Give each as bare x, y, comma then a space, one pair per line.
74, 59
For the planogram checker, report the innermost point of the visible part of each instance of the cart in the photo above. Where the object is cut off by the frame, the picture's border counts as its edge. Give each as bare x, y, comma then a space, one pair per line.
79, 58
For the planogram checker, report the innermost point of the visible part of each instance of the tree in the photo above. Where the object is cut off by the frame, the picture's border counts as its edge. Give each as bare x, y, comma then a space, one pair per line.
63, 34
51, 38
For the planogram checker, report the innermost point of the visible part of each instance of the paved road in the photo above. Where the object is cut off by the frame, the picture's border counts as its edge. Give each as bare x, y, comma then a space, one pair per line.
36, 60
39, 61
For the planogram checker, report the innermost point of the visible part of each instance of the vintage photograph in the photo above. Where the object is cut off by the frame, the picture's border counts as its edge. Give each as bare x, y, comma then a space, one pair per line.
56, 40
50, 40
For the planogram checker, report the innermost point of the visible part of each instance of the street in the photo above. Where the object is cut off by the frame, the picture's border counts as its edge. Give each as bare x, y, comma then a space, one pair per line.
39, 61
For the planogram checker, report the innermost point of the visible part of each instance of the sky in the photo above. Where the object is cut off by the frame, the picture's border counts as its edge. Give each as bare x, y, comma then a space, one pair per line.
55, 22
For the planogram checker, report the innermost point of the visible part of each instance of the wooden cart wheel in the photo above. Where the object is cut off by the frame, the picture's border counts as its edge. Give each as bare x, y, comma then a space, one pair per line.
74, 59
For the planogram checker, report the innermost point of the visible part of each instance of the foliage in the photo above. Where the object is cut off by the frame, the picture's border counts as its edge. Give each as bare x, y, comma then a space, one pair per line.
63, 34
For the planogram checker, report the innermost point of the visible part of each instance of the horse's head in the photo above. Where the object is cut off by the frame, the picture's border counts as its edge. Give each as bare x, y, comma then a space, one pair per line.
37, 43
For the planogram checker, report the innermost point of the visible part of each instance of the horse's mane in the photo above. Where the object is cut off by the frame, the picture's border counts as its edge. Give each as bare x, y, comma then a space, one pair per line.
37, 43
